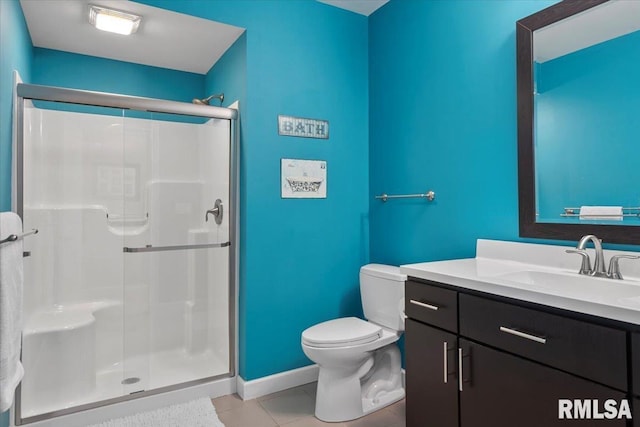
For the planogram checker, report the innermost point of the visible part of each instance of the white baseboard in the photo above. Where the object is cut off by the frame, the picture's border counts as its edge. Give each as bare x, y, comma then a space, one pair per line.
277, 382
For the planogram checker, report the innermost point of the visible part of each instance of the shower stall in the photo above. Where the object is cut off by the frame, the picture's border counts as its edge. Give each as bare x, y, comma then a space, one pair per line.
129, 283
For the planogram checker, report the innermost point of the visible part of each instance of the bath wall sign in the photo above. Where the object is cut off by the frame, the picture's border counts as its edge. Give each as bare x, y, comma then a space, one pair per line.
303, 179
304, 128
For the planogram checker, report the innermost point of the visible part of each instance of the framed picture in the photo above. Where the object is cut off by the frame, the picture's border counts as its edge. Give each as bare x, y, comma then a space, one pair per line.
303, 179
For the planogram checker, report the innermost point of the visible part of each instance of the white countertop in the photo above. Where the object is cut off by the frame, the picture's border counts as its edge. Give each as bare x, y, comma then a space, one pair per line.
542, 274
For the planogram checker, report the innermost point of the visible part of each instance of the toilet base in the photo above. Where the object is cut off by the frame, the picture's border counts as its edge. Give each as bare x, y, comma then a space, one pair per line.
377, 383
369, 406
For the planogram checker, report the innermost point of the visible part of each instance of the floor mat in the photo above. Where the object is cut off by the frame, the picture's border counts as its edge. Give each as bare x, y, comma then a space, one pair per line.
198, 413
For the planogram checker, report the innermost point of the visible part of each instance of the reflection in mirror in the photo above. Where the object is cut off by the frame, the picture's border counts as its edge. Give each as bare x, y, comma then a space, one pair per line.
578, 96
586, 100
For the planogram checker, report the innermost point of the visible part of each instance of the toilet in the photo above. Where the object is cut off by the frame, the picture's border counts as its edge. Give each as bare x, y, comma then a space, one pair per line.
360, 368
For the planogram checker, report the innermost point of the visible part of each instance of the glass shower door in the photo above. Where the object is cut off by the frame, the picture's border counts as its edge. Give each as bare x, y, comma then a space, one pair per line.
73, 293
176, 249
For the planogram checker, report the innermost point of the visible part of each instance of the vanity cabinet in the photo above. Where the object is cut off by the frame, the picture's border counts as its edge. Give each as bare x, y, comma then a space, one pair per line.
502, 390
432, 305
582, 348
431, 347
507, 362
432, 357
635, 366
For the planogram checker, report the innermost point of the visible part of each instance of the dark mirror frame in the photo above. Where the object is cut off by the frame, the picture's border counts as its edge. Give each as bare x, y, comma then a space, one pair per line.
529, 227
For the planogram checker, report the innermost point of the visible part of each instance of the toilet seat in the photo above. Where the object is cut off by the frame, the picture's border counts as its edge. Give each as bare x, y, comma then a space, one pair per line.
346, 331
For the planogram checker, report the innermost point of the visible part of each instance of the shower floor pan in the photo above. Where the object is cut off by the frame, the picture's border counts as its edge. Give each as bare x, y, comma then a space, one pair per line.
158, 370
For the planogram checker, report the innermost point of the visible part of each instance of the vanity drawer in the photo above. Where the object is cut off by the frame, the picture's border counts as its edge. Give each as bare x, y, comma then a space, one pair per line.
585, 349
432, 305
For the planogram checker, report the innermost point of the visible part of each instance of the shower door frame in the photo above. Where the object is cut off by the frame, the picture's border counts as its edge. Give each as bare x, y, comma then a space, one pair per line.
151, 105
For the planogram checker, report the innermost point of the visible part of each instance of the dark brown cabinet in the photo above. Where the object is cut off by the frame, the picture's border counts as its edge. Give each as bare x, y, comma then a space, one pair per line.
432, 391
592, 351
503, 363
635, 366
507, 390
432, 305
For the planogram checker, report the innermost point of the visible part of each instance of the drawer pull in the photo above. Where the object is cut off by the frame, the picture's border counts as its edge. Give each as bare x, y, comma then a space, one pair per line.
517, 333
459, 368
446, 368
422, 304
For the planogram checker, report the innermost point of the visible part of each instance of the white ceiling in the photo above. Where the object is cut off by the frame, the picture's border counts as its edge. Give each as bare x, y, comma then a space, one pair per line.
165, 39
601, 23
363, 7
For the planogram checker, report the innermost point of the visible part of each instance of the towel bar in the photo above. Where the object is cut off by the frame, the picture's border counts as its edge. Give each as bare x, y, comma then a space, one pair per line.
429, 195
15, 237
569, 212
150, 248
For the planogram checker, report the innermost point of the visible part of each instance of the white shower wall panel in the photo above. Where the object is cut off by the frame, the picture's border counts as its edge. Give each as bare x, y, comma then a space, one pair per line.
74, 257
78, 153
176, 152
218, 303
213, 164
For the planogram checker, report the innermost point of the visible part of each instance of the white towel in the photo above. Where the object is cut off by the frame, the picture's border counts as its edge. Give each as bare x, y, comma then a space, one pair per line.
11, 370
611, 213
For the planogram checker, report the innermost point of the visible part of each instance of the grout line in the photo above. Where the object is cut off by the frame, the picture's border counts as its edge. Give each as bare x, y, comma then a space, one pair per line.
268, 413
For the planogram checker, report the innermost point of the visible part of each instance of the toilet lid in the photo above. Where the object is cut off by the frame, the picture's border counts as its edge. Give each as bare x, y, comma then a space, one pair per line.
341, 332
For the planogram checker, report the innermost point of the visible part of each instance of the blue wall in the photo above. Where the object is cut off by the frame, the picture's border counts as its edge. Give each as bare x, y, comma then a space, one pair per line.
229, 74
15, 54
57, 68
300, 258
443, 117
599, 167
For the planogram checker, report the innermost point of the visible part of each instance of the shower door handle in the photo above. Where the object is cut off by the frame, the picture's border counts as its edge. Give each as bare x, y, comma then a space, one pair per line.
150, 248
217, 212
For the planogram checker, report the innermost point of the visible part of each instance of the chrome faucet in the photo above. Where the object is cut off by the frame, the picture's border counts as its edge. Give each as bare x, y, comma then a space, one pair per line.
598, 262
598, 267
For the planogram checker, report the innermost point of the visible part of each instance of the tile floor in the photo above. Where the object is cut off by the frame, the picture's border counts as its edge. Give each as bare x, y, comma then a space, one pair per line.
294, 408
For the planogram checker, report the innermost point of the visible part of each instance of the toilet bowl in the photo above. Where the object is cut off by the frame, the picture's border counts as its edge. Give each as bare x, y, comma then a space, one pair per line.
359, 361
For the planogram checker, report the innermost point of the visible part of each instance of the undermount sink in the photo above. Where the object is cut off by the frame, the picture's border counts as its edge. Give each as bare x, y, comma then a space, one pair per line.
547, 279
561, 283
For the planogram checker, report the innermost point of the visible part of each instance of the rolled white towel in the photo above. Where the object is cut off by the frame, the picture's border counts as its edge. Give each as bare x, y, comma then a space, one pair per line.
11, 370
611, 213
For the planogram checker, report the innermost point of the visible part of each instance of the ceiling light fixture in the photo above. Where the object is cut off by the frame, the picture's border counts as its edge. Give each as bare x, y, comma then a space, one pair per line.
113, 21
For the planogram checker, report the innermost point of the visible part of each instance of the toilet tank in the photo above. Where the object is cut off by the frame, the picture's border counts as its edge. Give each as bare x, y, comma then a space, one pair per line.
382, 293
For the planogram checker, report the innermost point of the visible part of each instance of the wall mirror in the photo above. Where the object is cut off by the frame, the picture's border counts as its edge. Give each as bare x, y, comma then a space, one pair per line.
578, 100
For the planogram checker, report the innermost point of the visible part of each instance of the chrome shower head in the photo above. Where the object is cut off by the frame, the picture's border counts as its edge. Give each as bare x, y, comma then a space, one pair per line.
207, 100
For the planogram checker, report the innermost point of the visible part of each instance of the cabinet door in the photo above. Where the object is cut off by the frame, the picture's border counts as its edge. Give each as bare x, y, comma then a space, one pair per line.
503, 390
431, 381
635, 364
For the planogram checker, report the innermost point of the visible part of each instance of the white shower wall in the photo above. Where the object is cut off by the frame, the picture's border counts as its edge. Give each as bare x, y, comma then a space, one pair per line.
93, 184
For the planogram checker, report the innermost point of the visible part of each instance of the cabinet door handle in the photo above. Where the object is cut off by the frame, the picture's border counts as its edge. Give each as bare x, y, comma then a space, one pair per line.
446, 368
459, 368
425, 305
524, 335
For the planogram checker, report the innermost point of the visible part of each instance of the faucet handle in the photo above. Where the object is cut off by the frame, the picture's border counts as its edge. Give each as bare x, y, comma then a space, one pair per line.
614, 265
585, 268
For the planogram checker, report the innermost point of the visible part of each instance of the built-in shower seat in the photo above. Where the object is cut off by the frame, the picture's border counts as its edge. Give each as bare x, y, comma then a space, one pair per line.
59, 347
